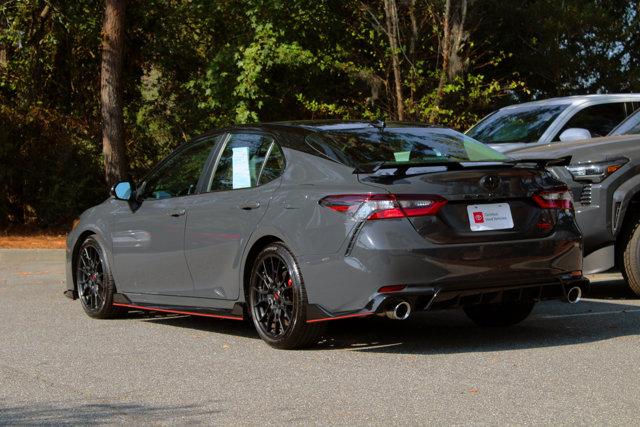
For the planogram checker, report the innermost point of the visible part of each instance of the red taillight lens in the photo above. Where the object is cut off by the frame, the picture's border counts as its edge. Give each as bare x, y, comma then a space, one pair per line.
392, 288
384, 206
557, 198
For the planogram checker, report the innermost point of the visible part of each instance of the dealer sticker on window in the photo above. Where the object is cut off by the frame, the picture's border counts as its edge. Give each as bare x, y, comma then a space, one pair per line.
495, 216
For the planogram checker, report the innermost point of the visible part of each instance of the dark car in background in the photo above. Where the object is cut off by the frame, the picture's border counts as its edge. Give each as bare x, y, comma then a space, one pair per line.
554, 120
604, 176
294, 224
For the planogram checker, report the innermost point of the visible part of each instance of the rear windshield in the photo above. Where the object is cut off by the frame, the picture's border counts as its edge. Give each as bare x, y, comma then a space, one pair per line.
520, 124
405, 145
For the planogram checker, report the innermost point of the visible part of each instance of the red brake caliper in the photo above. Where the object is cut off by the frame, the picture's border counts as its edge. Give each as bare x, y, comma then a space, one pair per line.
289, 283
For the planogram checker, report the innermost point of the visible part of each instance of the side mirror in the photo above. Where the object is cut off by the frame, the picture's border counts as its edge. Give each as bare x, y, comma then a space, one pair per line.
123, 190
575, 134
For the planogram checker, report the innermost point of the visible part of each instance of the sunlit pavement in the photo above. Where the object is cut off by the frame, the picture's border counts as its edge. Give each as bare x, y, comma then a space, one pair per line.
566, 364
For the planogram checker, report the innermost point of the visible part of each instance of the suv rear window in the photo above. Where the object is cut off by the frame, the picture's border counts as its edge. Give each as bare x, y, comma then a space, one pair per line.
405, 145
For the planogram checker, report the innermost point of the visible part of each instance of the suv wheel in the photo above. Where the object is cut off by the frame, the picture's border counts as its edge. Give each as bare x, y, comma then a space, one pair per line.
629, 254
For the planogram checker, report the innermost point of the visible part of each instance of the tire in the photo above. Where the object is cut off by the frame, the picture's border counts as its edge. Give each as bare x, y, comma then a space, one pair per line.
278, 300
492, 315
94, 281
629, 254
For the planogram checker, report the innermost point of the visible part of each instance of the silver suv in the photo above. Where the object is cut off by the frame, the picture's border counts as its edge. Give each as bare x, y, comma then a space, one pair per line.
565, 119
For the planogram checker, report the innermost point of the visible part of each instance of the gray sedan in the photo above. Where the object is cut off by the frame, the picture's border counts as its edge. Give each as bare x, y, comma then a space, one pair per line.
295, 224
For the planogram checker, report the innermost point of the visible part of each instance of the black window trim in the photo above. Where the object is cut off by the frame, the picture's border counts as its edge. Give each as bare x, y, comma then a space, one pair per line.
213, 167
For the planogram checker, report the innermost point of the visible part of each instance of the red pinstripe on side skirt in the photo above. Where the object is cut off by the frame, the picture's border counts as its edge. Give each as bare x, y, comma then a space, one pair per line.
165, 310
346, 316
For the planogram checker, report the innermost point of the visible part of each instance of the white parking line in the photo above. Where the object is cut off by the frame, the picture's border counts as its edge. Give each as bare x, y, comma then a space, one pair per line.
597, 313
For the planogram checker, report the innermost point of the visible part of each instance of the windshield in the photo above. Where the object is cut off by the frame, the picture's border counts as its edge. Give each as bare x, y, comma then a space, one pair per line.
520, 124
401, 146
631, 126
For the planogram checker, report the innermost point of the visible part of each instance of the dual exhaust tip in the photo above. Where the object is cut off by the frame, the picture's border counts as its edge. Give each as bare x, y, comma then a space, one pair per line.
399, 311
573, 295
402, 309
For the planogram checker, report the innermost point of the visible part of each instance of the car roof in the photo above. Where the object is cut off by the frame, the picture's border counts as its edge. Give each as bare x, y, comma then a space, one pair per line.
312, 126
342, 125
580, 99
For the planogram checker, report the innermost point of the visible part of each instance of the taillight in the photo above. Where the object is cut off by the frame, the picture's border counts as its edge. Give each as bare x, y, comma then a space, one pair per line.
384, 206
557, 198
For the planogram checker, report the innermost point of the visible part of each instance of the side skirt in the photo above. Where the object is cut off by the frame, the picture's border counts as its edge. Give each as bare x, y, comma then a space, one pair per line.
237, 313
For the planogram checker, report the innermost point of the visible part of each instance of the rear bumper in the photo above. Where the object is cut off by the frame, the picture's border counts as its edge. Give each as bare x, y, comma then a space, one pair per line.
423, 298
390, 252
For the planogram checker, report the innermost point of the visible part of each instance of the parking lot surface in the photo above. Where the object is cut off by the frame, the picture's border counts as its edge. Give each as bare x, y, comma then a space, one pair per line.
567, 364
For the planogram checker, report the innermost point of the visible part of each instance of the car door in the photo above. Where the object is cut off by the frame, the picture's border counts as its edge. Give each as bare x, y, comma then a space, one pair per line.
221, 220
148, 239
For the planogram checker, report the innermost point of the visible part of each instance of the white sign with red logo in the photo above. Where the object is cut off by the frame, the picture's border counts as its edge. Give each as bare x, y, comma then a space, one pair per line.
495, 216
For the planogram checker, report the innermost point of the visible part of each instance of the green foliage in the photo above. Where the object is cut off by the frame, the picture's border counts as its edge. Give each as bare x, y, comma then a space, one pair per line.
192, 65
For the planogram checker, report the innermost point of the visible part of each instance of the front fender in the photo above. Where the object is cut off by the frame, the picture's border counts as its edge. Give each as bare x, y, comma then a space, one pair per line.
621, 199
92, 222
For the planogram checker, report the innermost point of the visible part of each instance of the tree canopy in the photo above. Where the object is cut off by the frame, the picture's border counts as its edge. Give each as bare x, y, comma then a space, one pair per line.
191, 65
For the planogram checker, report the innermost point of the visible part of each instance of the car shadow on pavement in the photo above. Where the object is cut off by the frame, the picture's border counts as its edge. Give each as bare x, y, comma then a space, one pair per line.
232, 327
611, 289
603, 315
66, 413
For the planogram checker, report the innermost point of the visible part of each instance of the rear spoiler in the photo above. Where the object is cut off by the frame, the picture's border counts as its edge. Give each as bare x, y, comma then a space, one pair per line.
402, 168
544, 163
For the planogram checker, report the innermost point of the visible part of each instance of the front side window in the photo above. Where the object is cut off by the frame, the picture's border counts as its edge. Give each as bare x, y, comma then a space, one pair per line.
402, 145
597, 119
519, 124
179, 175
243, 162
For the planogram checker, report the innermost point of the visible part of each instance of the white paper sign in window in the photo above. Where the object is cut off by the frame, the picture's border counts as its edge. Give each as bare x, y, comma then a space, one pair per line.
240, 165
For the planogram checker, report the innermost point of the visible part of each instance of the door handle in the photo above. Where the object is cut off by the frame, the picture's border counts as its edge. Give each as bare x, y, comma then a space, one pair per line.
247, 206
177, 213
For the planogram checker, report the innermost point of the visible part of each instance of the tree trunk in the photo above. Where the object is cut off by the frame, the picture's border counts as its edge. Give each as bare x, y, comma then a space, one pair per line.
391, 19
113, 146
446, 51
454, 35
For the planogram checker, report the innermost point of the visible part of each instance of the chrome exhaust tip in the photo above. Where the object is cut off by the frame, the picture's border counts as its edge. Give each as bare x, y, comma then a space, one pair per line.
574, 295
400, 311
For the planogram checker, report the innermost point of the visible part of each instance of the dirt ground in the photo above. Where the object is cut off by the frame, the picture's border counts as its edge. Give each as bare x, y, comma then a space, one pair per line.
32, 239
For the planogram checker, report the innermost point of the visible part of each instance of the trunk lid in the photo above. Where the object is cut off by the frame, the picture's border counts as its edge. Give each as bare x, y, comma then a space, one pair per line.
483, 191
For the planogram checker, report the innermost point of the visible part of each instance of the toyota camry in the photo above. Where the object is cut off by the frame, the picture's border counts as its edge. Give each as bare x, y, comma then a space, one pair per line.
295, 224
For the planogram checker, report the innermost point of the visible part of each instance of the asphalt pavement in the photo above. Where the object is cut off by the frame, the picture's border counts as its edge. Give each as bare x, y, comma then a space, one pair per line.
567, 364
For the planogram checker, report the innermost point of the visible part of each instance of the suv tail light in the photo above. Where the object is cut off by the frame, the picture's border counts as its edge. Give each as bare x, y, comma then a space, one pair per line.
557, 198
384, 206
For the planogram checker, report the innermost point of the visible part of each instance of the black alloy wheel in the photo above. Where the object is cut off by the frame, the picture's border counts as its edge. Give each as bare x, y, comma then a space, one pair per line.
278, 300
94, 281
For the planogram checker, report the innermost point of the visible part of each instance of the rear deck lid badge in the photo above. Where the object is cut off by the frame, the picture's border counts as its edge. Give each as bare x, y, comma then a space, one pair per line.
490, 182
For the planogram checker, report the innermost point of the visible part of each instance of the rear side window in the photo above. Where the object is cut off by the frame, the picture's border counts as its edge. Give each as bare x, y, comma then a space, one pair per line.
274, 166
247, 160
597, 119
631, 126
